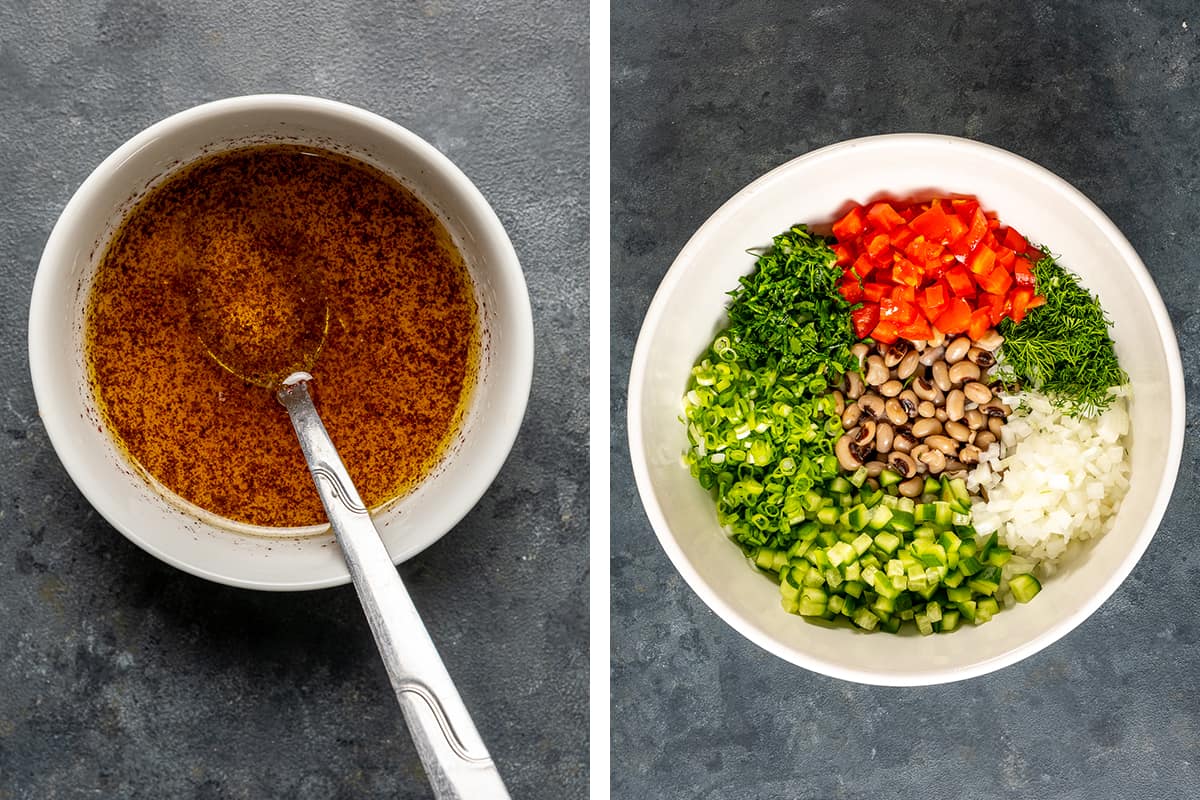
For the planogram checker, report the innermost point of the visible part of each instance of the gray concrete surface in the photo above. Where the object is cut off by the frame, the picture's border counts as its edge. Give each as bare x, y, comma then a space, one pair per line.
123, 678
707, 96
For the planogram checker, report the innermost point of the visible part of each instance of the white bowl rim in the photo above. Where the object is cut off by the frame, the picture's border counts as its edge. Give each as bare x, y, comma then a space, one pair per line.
489, 460
744, 626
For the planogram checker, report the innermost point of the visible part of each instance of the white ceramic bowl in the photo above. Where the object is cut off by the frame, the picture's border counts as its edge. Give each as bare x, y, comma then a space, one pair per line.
688, 310
183, 535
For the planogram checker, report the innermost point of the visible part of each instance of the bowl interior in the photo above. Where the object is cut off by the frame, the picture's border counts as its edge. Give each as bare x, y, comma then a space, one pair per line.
689, 309
182, 534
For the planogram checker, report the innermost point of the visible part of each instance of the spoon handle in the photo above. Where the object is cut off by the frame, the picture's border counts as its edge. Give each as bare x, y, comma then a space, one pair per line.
455, 758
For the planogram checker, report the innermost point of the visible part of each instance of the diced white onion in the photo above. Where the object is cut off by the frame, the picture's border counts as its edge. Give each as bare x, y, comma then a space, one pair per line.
1052, 481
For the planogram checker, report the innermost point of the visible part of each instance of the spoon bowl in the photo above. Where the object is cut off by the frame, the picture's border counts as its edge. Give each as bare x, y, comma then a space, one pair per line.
257, 301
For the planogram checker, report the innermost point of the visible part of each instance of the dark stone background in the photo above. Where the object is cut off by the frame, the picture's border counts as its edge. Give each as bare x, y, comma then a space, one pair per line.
122, 677
707, 96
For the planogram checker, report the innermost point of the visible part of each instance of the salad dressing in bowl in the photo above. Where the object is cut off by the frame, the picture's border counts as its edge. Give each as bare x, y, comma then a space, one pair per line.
400, 351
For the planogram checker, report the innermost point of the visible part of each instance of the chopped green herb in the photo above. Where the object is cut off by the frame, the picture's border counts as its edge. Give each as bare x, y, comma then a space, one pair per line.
1062, 348
789, 310
761, 418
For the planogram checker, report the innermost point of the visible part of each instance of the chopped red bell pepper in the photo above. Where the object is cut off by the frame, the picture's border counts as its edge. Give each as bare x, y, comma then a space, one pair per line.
996, 281
1014, 241
955, 318
936, 294
899, 312
945, 261
878, 244
886, 331
932, 224
864, 320
1020, 302
863, 266
884, 217
902, 236
981, 321
960, 282
849, 226
1023, 272
851, 290
906, 272
874, 292
977, 228
904, 294
918, 331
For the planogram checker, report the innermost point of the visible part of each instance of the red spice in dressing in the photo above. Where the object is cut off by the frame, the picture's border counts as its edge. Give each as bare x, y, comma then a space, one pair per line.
398, 363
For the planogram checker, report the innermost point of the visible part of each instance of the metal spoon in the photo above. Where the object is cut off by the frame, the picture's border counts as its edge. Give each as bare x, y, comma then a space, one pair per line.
265, 319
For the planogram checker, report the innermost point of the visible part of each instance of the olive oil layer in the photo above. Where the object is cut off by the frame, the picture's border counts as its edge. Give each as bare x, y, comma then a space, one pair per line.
398, 362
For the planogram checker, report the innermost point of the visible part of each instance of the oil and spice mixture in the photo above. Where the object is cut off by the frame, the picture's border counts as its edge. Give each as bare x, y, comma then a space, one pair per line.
400, 353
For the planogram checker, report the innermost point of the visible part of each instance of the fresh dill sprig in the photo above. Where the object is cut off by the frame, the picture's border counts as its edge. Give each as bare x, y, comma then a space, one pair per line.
1063, 348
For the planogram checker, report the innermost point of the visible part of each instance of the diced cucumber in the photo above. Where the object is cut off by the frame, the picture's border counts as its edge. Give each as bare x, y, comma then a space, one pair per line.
827, 515
764, 558
881, 515
986, 608
889, 478
1024, 587
932, 485
958, 488
862, 543
958, 594
968, 565
987, 546
864, 619
942, 514
840, 485
859, 477
902, 520
883, 585
813, 501
950, 620
983, 586
999, 556
883, 605
857, 517
808, 531
798, 549
840, 553
925, 532
887, 542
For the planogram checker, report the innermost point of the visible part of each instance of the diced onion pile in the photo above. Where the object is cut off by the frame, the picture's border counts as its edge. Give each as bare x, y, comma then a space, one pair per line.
1053, 479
